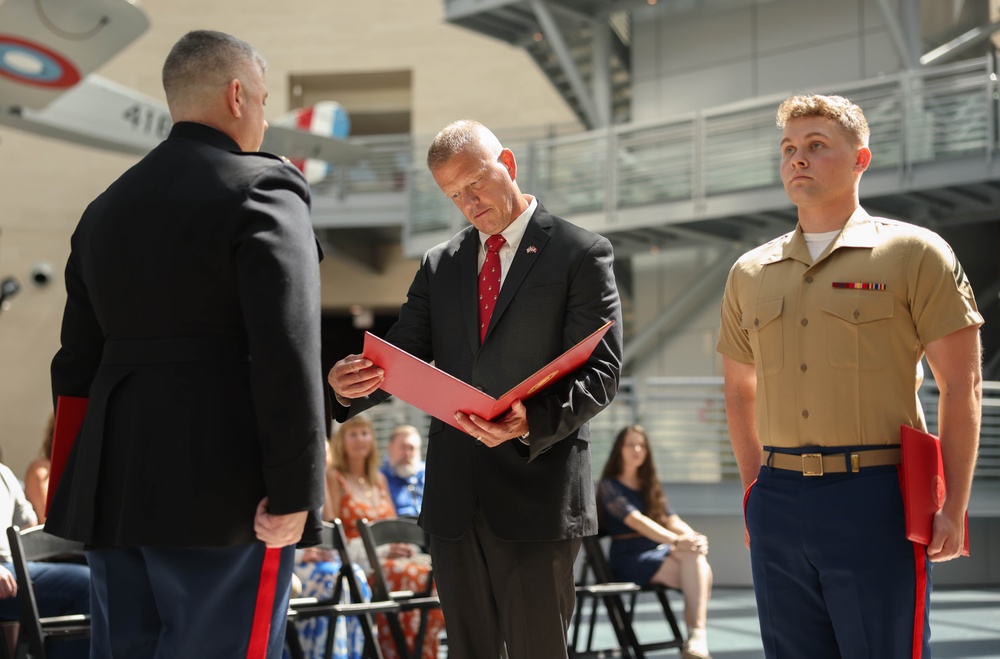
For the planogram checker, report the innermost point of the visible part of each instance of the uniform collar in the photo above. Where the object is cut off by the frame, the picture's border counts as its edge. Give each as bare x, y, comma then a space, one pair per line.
858, 232
203, 133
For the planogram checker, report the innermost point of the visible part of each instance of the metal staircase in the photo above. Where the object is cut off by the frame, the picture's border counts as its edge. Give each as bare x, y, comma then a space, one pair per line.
582, 46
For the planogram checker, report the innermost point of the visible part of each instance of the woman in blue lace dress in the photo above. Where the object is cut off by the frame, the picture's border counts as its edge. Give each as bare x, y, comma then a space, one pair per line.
650, 543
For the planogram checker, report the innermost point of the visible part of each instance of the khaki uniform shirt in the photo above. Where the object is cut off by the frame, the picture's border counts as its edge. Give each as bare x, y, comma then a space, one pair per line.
837, 344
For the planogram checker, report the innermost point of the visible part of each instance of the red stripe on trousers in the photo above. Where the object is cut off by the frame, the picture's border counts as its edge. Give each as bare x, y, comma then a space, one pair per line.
264, 610
920, 579
919, 610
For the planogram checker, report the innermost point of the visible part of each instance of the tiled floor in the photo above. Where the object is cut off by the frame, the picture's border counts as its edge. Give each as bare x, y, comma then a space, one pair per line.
965, 624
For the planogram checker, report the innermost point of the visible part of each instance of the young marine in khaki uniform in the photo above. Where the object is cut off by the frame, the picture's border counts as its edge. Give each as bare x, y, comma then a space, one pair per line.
823, 331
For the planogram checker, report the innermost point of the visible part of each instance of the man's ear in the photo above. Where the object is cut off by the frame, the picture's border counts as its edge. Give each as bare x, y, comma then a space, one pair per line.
864, 159
508, 161
234, 97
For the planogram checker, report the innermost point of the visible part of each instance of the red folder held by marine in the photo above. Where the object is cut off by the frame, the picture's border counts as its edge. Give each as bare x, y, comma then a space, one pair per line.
924, 487
442, 395
70, 411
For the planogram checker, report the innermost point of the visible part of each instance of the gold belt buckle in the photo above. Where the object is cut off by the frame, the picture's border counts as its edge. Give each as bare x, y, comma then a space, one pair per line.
812, 464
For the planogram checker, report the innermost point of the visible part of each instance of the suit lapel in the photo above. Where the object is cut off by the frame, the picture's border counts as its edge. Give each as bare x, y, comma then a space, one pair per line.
469, 285
533, 242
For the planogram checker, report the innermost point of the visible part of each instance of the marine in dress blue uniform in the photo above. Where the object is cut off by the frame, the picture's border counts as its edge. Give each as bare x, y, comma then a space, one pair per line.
192, 325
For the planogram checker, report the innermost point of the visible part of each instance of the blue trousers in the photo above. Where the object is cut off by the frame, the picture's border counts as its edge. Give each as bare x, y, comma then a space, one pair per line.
833, 572
60, 589
166, 603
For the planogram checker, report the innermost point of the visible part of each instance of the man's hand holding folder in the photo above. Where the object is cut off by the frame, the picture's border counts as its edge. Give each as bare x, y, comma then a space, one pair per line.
455, 402
924, 493
492, 421
355, 376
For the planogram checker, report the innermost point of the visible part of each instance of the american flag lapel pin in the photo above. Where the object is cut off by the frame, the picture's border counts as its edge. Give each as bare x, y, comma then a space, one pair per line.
531, 250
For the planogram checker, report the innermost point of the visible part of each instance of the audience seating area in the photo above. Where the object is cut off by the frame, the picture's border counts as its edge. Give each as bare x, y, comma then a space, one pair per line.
402, 530
309, 607
36, 633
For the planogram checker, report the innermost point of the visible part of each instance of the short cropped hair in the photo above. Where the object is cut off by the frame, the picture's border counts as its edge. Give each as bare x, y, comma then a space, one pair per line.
837, 108
206, 57
456, 137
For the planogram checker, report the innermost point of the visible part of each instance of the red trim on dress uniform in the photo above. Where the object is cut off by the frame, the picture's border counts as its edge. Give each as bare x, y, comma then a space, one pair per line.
920, 594
919, 610
264, 609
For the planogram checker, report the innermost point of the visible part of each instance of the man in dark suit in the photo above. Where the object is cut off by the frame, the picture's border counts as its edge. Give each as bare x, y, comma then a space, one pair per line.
192, 325
507, 501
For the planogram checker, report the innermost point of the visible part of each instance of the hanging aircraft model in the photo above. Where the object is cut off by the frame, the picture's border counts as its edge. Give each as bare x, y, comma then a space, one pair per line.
49, 50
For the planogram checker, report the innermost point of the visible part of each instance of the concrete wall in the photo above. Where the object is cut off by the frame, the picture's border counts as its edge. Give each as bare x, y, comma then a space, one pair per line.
660, 279
715, 56
46, 184
686, 60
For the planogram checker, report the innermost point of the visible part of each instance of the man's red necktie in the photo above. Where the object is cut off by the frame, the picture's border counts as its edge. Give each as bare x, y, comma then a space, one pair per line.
489, 282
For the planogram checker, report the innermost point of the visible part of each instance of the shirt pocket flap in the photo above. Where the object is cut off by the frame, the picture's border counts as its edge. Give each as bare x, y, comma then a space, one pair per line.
860, 308
764, 312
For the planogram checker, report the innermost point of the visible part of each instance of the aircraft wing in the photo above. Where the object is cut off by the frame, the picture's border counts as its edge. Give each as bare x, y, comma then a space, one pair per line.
100, 113
96, 112
297, 144
48, 51
48, 46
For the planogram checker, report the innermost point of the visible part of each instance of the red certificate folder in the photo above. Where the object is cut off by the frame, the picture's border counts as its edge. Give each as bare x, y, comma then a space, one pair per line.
70, 411
924, 488
442, 395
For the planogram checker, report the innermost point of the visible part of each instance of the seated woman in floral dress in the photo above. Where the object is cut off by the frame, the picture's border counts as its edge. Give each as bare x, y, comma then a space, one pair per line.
359, 491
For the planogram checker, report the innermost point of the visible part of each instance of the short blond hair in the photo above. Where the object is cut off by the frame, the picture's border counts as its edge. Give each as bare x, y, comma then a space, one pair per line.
836, 108
459, 136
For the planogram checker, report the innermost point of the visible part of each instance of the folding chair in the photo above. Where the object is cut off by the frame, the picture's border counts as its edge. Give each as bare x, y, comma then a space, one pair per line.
405, 530
601, 589
35, 544
310, 607
621, 617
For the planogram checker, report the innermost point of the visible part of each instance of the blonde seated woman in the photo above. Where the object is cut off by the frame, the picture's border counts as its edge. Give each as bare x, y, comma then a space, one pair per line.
650, 543
357, 489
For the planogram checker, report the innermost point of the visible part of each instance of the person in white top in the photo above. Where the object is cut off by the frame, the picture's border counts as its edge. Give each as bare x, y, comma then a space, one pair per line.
60, 588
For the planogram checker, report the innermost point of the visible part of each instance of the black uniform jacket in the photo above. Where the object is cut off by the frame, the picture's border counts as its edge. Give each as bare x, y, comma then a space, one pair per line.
192, 324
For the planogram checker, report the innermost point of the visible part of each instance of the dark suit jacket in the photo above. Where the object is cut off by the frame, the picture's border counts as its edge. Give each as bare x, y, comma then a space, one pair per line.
192, 324
559, 289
